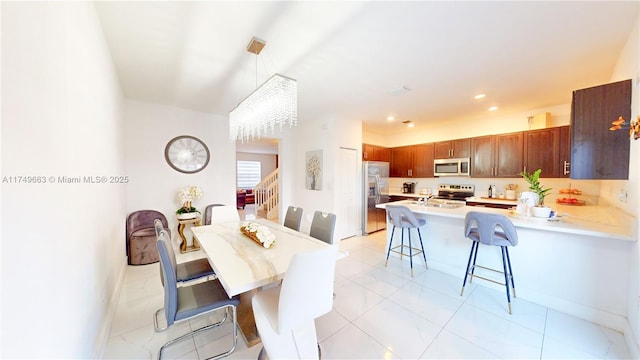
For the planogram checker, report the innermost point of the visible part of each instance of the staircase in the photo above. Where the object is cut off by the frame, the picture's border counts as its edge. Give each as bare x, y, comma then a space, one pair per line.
266, 195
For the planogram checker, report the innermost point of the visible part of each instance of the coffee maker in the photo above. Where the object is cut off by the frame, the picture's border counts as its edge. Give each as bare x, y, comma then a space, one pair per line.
408, 188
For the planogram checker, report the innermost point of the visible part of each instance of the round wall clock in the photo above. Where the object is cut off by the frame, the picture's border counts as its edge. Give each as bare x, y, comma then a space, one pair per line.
186, 154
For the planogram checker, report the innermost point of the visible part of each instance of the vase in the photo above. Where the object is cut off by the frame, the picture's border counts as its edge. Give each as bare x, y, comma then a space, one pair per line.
187, 216
313, 182
541, 211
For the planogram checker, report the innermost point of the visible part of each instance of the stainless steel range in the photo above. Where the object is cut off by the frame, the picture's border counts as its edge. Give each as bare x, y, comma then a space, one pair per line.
451, 196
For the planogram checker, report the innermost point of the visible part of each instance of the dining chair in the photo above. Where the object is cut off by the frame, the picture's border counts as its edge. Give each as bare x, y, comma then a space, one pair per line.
188, 270
293, 218
323, 226
141, 236
285, 315
183, 303
225, 213
492, 230
206, 218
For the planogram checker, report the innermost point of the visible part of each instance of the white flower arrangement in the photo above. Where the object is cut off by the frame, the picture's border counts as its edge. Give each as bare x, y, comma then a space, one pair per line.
259, 233
313, 166
186, 196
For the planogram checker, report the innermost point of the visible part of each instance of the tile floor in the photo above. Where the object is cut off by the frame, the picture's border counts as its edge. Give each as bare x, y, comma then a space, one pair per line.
380, 313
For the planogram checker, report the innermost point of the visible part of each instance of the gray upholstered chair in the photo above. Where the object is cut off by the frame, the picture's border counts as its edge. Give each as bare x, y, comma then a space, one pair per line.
322, 226
400, 216
206, 218
183, 303
492, 230
293, 218
141, 236
285, 315
188, 270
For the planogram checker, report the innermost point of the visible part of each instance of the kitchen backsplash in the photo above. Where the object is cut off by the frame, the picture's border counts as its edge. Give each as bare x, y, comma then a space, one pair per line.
590, 188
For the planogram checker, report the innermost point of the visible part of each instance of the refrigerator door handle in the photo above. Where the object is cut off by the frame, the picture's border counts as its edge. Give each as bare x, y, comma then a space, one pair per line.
377, 191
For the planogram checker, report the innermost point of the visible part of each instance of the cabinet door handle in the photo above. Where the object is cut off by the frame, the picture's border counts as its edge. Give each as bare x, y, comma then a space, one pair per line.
452, 152
410, 173
566, 168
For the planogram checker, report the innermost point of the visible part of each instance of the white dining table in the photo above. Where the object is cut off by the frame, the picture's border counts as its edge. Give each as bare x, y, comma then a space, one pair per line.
243, 266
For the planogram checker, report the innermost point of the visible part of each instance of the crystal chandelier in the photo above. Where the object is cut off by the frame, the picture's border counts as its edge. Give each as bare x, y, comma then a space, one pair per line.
275, 102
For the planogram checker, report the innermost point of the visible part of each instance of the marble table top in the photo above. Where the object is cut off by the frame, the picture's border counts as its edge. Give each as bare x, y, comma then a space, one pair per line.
240, 263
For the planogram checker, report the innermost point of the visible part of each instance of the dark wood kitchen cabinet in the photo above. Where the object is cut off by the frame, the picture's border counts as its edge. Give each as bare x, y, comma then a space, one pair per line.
565, 151
401, 164
542, 151
497, 155
412, 161
375, 153
482, 165
459, 148
423, 161
508, 158
596, 152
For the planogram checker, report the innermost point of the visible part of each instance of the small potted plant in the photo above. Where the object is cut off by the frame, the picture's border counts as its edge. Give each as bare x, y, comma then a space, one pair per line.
540, 210
186, 195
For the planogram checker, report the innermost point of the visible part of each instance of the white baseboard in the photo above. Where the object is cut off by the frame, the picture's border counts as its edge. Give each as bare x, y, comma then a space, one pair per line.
105, 327
632, 344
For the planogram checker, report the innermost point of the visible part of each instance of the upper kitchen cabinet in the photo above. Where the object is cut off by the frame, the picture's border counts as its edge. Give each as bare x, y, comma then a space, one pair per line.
542, 151
565, 151
401, 164
375, 153
412, 161
423, 161
596, 152
459, 148
497, 155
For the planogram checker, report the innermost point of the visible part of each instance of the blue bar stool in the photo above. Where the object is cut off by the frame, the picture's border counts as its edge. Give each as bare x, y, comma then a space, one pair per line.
400, 216
494, 230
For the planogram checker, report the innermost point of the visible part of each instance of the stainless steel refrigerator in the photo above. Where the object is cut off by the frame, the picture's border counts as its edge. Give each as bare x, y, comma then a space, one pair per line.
376, 191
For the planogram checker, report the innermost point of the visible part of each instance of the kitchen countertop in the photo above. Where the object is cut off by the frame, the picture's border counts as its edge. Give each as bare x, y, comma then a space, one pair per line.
598, 221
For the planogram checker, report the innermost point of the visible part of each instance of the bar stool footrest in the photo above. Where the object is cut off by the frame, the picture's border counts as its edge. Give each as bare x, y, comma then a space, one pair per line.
415, 251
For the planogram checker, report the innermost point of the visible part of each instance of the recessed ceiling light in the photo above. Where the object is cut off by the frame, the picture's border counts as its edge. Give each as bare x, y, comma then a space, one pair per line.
410, 125
390, 118
479, 96
493, 108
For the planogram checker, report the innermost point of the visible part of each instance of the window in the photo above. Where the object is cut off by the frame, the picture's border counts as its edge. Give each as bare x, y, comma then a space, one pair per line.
248, 174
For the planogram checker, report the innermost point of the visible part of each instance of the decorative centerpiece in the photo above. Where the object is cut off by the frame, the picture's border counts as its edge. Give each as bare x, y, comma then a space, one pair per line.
258, 233
540, 210
186, 196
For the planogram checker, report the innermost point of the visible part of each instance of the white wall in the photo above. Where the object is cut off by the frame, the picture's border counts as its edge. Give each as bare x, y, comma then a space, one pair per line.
267, 161
628, 66
62, 243
154, 184
327, 134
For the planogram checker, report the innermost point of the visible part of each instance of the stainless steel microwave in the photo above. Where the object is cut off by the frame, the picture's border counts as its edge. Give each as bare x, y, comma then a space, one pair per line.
451, 167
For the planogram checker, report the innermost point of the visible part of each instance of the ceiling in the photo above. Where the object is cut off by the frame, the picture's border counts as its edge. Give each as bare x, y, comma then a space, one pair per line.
351, 58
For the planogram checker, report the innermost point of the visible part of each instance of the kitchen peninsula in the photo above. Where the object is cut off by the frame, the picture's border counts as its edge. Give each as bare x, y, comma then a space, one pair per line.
578, 264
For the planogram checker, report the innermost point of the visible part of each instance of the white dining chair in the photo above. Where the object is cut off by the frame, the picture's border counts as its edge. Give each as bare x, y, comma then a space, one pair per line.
285, 315
220, 214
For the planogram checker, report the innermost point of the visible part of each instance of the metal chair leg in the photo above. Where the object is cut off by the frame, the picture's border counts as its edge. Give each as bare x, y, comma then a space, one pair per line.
475, 257
410, 252
513, 286
506, 276
390, 242
424, 255
464, 282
